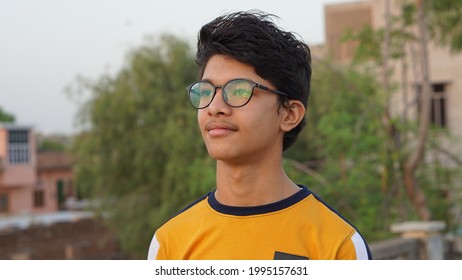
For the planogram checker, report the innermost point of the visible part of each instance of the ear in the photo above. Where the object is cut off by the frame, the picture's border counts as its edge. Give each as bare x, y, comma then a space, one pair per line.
292, 114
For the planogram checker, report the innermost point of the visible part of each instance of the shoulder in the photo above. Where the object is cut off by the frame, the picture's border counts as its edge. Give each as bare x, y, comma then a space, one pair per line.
353, 245
167, 237
326, 211
188, 213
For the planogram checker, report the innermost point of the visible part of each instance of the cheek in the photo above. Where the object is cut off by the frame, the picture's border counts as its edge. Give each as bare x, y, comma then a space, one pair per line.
263, 125
201, 117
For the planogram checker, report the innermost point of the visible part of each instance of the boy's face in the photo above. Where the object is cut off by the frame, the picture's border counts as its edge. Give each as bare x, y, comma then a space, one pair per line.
240, 135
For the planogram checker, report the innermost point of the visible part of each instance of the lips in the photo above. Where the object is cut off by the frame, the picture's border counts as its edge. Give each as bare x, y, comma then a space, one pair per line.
220, 128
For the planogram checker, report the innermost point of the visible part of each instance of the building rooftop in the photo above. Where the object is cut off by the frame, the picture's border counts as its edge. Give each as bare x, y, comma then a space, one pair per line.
6, 125
54, 160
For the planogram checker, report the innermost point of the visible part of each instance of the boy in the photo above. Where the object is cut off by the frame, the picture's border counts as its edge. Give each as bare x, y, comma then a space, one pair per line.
251, 100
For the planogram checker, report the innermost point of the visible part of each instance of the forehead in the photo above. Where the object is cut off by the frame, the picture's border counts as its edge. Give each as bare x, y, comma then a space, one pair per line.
220, 69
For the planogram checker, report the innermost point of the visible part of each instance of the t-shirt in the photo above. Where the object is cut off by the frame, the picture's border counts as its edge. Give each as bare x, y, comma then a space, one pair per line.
301, 226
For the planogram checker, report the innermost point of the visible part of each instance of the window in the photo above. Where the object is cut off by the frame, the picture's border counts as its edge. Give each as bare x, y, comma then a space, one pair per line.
18, 146
39, 198
438, 104
438, 109
3, 203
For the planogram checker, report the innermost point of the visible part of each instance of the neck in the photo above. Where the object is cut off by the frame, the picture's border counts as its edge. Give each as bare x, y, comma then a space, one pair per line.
253, 184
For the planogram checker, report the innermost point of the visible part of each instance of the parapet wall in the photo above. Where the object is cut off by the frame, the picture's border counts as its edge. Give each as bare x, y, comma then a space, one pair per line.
82, 239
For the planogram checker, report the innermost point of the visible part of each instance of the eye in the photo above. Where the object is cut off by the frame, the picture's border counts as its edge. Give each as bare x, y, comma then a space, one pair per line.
206, 92
240, 89
204, 89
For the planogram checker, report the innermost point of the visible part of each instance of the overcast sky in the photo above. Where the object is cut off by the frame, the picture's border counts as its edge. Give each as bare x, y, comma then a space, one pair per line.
46, 44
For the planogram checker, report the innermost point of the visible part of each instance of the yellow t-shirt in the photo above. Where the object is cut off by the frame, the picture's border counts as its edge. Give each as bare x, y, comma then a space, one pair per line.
299, 227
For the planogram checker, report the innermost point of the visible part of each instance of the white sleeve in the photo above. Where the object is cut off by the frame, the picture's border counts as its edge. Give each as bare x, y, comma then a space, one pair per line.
360, 247
153, 248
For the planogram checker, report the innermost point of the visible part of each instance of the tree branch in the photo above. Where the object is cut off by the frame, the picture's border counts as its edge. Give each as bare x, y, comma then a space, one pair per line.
445, 152
302, 167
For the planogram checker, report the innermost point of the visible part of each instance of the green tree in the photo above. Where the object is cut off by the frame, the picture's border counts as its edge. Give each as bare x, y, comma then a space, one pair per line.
445, 22
50, 146
53, 143
340, 155
141, 155
6, 117
407, 140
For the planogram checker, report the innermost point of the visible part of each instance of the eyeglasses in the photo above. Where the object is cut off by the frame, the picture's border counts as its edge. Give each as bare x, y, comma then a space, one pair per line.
236, 93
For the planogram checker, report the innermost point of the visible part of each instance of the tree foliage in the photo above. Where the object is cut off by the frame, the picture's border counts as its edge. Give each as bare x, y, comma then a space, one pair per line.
6, 117
53, 142
141, 155
445, 22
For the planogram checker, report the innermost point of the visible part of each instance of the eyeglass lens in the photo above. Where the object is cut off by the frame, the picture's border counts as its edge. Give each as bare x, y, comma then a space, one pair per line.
236, 93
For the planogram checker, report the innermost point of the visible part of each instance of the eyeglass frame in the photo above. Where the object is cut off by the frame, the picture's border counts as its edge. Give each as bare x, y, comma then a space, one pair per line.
215, 87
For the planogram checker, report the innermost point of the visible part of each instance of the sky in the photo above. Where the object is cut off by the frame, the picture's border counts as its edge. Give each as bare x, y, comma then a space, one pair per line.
45, 45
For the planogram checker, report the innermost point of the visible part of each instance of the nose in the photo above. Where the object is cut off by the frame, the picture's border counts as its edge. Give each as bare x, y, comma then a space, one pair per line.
218, 105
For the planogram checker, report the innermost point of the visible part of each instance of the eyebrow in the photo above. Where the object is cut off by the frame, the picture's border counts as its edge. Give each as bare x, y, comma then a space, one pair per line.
206, 80
239, 78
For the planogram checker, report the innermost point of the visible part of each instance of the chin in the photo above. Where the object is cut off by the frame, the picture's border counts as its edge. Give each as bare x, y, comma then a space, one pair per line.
220, 154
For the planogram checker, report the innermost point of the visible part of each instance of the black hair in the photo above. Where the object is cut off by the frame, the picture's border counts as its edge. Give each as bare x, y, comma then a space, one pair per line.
277, 56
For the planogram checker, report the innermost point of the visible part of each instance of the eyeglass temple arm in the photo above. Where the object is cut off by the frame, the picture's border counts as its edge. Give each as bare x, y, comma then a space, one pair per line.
271, 90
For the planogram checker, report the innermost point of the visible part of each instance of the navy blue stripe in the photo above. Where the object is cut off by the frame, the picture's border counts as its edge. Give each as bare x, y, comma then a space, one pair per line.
262, 209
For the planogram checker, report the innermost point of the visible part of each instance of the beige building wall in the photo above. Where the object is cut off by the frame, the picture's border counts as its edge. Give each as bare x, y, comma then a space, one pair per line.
339, 18
447, 68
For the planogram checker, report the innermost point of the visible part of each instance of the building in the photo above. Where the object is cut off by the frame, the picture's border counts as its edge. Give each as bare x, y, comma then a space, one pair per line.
445, 67
31, 182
